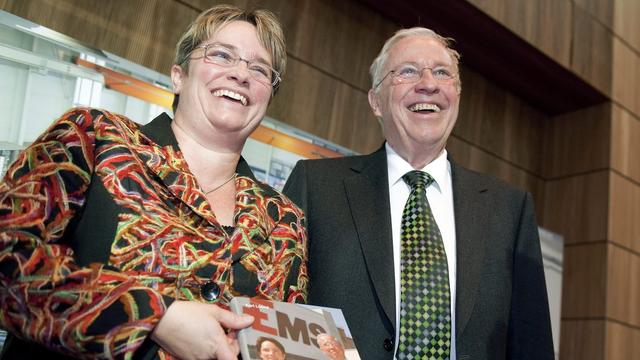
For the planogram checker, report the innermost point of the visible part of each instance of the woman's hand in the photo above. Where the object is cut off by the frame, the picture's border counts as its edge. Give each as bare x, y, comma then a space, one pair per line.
192, 330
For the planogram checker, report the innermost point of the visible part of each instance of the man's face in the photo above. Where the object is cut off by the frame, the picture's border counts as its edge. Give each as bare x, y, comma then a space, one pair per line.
417, 115
269, 351
331, 347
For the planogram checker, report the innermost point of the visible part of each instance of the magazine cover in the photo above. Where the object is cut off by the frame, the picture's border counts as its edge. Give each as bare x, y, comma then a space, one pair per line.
293, 332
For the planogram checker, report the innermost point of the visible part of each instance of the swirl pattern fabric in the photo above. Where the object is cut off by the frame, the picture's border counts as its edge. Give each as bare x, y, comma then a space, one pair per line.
167, 241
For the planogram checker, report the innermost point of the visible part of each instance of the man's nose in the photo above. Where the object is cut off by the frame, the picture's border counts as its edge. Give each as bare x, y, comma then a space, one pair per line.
427, 81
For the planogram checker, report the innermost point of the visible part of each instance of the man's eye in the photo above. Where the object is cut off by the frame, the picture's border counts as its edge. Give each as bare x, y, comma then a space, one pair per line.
442, 73
407, 71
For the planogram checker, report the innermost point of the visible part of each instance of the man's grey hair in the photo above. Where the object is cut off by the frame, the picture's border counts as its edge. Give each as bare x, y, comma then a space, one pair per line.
378, 63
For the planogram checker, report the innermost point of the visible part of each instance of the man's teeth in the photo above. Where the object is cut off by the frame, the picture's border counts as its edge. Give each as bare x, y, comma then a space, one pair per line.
424, 106
232, 95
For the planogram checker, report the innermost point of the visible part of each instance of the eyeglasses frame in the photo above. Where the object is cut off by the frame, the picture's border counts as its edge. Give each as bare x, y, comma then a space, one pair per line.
453, 75
277, 80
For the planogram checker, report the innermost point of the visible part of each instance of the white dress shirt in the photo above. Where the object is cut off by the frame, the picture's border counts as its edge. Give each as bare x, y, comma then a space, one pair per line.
440, 196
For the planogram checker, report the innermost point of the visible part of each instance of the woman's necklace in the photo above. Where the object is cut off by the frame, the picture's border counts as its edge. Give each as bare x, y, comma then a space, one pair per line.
221, 185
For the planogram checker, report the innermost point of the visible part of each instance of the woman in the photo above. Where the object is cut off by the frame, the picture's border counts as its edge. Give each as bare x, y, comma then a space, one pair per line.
270, 349
125, 241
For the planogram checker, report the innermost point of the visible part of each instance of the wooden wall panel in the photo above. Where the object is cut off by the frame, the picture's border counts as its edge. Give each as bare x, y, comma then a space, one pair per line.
475, 158
353, 122
546, 24
626, 24
598, 9
623, 286
338, 37
591, 50
625, 143
332, 44
584, 281
139, 30
626, 76
326, 108
500, 123
574, 33
582, 339
577, 142
307, 110
624, 213
577, 207
201, 5
622, 342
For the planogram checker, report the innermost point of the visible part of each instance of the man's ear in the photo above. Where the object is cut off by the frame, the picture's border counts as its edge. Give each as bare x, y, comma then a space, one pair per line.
374, 103
177, 75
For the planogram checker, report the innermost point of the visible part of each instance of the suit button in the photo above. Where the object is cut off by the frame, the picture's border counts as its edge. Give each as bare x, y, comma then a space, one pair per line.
210, 291
388, 344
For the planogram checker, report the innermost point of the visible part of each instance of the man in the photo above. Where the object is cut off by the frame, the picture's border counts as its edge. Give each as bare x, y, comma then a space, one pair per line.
374, 222
331, 347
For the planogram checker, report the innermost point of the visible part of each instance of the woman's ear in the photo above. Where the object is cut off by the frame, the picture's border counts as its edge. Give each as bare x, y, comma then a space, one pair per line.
176, 78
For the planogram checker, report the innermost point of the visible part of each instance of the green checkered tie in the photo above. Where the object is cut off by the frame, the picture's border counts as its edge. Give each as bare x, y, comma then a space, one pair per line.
425, 316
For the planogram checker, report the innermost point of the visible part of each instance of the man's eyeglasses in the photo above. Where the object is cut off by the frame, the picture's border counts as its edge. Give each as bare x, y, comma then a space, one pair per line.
410, 73
223, 56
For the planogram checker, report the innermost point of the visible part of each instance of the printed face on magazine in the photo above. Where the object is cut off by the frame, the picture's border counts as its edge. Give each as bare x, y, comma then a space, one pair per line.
270, 351
331, 347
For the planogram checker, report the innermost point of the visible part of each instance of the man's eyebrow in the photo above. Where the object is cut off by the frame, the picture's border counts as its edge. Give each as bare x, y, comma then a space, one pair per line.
423, 63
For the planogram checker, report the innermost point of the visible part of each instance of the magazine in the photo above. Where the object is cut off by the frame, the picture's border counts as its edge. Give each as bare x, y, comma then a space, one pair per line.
294, 331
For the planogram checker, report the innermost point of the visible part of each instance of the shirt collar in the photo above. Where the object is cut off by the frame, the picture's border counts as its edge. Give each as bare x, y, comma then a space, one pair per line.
439, 168
159, 130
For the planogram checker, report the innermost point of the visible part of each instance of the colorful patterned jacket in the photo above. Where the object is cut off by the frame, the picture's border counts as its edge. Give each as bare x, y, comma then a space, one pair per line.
102, 226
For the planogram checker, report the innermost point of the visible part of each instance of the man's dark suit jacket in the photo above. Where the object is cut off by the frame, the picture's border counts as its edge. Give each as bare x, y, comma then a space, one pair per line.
501, 304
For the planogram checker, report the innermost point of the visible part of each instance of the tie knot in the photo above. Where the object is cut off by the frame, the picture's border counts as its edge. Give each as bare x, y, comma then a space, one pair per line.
417, 179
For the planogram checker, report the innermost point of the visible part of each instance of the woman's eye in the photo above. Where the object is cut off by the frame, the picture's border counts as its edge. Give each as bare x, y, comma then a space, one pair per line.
261, 70
219, 55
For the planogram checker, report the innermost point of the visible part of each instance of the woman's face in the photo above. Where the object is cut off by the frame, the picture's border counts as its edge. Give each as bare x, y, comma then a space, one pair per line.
225, 100
269, 351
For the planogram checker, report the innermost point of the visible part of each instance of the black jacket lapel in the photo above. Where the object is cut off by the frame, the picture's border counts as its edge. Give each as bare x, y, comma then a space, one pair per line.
469, 199
368, 194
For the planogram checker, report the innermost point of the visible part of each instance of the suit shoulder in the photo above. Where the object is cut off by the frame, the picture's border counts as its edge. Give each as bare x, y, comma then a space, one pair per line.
334, 164
487, 181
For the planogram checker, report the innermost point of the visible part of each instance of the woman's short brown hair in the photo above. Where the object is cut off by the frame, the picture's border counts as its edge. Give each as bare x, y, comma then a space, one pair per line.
275, 342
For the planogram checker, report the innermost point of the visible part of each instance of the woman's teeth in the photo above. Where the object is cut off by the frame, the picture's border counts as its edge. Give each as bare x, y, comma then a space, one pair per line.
232, 95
